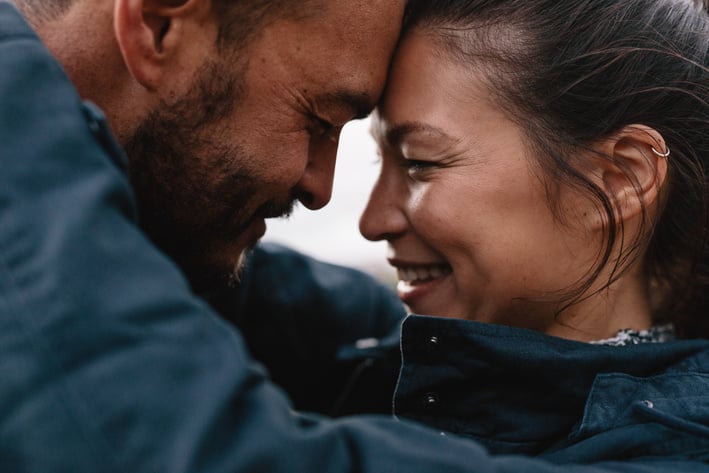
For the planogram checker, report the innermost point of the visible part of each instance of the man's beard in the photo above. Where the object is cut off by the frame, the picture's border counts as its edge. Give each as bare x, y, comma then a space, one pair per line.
194, 197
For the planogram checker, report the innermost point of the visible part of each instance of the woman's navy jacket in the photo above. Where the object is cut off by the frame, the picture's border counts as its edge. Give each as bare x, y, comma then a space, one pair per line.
514, 391
108, 362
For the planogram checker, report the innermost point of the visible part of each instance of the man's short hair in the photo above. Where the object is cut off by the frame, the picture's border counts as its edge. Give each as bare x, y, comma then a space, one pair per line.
239, 20
38, 11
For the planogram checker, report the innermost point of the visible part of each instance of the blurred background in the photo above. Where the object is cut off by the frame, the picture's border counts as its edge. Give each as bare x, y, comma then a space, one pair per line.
332, 234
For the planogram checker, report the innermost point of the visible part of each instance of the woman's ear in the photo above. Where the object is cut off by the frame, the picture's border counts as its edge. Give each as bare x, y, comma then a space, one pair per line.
633, 169
150, 34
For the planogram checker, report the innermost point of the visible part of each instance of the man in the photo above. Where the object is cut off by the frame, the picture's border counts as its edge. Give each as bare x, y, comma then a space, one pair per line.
229, 112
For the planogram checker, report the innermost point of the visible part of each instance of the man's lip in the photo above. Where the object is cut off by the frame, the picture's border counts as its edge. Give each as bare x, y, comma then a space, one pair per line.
261, 227
277, 210
254, 231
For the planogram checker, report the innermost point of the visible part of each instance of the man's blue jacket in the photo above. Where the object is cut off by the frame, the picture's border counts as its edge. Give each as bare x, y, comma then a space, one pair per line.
108, 362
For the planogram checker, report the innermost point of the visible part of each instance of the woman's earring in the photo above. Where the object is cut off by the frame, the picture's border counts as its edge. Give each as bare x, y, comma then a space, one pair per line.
666, 154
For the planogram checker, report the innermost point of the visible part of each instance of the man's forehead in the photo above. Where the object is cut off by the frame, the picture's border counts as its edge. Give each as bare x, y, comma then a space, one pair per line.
337, 59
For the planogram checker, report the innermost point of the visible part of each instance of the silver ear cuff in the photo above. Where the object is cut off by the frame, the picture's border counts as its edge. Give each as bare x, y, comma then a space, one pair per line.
666, 154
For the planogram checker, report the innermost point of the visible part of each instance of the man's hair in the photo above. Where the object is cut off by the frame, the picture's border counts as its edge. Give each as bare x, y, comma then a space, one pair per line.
239, 20
38, 11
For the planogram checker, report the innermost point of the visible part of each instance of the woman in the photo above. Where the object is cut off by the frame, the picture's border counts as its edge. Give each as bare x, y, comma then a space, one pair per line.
544, 168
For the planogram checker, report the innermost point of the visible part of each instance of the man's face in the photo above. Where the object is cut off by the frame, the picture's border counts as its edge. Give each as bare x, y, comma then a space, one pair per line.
257, 131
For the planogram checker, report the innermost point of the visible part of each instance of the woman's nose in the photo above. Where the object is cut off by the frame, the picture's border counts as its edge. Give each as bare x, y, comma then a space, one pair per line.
383, 217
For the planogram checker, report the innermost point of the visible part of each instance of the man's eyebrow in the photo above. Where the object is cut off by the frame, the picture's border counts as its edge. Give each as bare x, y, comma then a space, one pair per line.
359, 104
397, 133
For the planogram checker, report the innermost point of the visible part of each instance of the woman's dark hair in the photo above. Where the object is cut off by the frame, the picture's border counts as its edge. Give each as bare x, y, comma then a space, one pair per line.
574, 72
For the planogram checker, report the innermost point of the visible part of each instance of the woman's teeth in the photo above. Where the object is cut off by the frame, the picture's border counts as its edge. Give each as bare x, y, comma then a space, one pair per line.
423, 273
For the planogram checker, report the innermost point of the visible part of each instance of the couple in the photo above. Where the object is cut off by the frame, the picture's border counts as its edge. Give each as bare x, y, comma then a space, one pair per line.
542, 168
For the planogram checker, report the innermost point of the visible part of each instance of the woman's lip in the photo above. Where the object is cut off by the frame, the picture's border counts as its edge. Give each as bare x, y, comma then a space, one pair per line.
399, 263
412, 292
418, 280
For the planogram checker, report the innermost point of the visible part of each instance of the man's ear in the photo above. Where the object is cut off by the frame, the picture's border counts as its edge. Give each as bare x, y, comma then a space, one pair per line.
633, 170
150, 34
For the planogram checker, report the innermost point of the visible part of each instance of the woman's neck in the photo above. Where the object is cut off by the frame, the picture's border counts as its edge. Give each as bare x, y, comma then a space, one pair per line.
624, 305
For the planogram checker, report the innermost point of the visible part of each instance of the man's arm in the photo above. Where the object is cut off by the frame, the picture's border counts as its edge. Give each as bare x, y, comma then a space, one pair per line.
306, 320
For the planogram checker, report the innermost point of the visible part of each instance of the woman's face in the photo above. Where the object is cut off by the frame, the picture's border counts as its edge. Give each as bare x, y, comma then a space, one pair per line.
462, 205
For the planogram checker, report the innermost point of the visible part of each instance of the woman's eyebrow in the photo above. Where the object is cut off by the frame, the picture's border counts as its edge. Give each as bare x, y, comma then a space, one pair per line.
397, 133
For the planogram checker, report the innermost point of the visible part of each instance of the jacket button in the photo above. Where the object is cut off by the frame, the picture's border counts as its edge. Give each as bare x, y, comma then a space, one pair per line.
94, 117
431, 399
649, 404
94, 126
433, 341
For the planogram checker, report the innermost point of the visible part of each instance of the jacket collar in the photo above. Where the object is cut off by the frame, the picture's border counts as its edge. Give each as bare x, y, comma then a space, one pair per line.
513, 389
12, 24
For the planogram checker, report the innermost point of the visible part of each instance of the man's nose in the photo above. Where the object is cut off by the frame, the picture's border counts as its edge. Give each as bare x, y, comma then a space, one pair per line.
314, 189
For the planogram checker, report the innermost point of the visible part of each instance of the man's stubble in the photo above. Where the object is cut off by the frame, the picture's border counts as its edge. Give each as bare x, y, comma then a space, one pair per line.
193, 190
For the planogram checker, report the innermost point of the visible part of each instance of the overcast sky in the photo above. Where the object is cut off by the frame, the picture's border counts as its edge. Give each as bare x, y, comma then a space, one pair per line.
332, 234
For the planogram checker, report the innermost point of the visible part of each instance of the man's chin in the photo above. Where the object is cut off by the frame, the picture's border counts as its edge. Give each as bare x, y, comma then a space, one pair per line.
209, 278
237, 270
211, 258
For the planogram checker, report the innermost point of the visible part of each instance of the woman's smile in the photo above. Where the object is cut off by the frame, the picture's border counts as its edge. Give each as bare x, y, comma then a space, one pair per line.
419, 281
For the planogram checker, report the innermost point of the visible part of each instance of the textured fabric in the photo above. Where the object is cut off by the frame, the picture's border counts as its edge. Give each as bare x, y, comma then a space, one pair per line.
110, 364
520, 391
514, 391
657, 334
